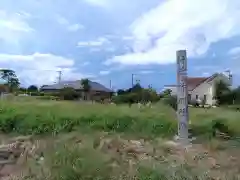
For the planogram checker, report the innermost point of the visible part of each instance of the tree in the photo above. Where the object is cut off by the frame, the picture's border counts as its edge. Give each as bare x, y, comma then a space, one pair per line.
136, 94
136, 88
11, 78
22, 89
171, 101
221, 92
68, 93
86, 87
32, 88
167, 92
236, 95
120, 92
230, 97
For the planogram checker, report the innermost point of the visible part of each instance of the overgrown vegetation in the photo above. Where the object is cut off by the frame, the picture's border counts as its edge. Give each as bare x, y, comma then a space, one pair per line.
136, 94
12, 81
82, 161
44, 117
224, 95
70, 161
97, 156
41, 117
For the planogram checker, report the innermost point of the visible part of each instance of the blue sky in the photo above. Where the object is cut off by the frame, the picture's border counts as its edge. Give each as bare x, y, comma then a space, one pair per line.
107, 40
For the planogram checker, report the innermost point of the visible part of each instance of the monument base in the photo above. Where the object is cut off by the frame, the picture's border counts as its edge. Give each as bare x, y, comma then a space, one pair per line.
183, 142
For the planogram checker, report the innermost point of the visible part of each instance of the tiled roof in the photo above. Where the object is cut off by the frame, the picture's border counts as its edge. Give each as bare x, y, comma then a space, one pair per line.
193, 82
76, 85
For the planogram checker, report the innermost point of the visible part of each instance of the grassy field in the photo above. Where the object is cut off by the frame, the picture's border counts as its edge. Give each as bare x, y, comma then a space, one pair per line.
41, 117
93, 141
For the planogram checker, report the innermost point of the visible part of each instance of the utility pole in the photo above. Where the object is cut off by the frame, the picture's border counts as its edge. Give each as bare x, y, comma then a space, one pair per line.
59, 76
110, 84
229, 74
132, 79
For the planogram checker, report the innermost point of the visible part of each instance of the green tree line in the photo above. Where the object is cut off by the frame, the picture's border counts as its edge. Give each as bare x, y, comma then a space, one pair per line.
224, 95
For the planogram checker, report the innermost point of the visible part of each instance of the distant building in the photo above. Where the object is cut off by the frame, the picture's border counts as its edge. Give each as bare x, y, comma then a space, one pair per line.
3, 87
97, 90
202, 88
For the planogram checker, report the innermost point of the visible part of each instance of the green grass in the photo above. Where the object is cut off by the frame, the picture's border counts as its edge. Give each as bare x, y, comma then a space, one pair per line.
40, 117
68, 160
203, 120
44, 117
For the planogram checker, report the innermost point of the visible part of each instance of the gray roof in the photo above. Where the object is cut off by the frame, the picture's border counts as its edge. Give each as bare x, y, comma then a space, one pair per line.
76, 85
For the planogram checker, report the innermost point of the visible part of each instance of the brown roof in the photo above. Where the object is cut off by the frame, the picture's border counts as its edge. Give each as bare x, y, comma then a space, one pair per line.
193, 82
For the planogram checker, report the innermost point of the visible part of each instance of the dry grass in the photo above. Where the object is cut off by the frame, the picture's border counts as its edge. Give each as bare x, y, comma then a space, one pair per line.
93, 141
105, 156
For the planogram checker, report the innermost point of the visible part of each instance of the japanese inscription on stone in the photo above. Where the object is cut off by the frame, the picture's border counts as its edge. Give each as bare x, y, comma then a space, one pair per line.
182, 95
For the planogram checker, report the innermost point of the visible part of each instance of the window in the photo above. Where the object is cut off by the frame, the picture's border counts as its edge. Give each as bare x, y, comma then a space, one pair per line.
205, 98
196, 96
189, 97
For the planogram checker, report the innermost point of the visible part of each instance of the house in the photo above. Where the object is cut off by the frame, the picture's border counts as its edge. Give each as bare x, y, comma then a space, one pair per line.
202, 88
97, 90
3, 86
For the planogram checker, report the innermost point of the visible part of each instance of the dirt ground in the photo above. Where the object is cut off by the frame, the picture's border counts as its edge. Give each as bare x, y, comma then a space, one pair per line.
217, 159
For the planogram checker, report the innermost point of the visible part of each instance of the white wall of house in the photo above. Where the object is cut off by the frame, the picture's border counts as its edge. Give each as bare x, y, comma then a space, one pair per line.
207, 89
204, 89
172, 88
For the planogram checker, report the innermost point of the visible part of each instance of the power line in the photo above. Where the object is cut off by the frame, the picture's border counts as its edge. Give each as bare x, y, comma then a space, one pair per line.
132, 80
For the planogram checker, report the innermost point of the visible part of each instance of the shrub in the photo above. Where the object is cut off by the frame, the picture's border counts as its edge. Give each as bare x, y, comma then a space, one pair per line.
55, 117
33, 119
34, 93
41, 94
126, 98
144, 95
68, 94
71, 162
171, 101
193, 103
48, 97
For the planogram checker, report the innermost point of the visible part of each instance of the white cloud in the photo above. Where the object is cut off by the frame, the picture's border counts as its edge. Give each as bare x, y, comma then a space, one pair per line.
104, 72
13, 27
234, 51
181, 24
75, 27
70, 27
61, 20
100, 3
110, 49
95, 49
206, 74
206, 68
146, 72
95, 43
85, 63
127, 38
39, 68
100, 48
